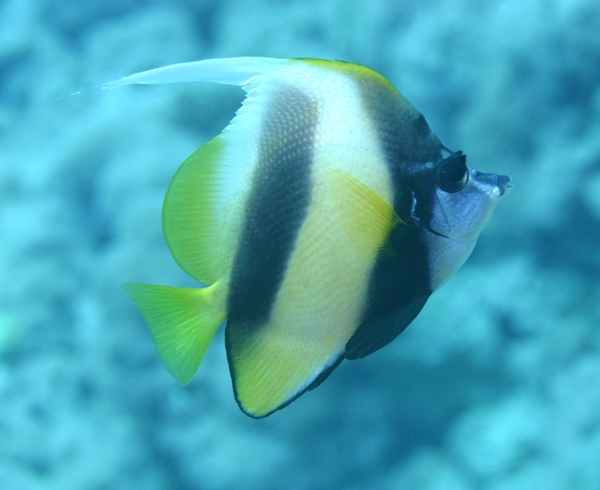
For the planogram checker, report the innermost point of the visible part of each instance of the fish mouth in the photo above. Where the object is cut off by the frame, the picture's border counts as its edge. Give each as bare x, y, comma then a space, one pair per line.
504, 184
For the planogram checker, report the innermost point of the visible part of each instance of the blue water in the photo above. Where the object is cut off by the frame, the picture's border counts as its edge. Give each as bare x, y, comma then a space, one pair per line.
495, 386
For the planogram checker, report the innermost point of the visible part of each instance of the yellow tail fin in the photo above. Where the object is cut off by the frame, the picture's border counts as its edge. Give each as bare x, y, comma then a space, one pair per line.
182, 322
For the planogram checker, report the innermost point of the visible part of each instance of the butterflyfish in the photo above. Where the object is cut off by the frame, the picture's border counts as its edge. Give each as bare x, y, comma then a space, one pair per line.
318, 223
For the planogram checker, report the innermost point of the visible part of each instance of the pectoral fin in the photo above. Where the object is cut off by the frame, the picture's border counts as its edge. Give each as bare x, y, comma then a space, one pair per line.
367, 213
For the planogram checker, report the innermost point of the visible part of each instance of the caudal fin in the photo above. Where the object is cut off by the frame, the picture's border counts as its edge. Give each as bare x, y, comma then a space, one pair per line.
182, 322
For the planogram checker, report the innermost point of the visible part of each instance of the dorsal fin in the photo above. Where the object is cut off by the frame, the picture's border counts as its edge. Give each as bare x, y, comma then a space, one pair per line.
228, 71
190, 212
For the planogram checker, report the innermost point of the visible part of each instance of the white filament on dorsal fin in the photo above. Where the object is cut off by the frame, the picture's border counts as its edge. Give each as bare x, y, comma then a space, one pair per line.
229, 71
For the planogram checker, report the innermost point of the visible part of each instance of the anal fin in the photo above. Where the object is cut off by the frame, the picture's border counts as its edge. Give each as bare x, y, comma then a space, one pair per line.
325, 374
270, 369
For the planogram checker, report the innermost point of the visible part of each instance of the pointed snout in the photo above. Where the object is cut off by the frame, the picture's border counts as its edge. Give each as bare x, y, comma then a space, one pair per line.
504, 184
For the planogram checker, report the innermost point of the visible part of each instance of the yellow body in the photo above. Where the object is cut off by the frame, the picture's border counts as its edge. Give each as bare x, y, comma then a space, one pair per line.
323, 292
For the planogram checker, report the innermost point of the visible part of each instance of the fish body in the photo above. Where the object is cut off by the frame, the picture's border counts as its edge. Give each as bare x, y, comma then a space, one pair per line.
319, 221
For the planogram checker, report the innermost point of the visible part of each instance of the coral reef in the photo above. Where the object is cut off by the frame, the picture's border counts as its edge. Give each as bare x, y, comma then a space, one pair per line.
495, 386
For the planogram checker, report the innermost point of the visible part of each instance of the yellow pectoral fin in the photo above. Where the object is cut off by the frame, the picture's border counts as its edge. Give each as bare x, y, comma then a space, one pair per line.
367, 214
182, 322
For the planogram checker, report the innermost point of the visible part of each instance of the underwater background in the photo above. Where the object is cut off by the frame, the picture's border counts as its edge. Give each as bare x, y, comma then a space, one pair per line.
496, 385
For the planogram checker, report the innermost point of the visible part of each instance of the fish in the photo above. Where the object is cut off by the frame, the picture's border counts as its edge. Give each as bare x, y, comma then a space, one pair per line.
317, 224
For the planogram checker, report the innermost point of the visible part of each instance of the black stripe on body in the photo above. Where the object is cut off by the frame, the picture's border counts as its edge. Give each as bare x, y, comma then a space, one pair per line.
399, 286
406, 140
276, 207
398, 289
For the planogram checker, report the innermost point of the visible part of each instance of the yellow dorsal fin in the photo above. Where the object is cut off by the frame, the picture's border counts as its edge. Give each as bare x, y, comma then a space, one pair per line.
190, 212
182, 322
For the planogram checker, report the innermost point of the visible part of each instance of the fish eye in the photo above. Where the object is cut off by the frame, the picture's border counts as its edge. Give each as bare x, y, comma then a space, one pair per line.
452, 174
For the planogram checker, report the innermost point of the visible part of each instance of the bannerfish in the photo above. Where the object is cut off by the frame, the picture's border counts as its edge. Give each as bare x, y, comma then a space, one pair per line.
318, 222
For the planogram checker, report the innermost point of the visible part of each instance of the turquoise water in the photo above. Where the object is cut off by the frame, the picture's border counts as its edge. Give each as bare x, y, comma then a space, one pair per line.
496, 385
